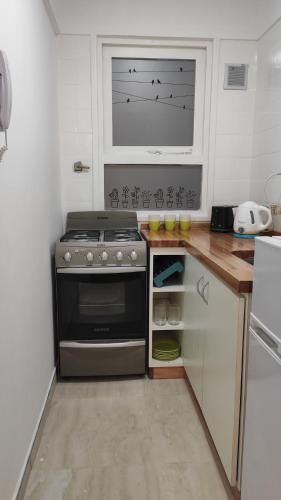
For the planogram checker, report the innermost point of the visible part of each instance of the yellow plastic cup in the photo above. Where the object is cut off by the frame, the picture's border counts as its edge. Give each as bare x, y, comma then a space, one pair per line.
185, 222
154, 222
170, 222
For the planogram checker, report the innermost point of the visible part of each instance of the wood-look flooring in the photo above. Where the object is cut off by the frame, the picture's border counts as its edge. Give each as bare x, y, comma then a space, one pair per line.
136, 439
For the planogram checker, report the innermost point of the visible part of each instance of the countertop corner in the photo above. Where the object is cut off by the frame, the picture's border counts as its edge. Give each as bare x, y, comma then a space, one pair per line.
221, 252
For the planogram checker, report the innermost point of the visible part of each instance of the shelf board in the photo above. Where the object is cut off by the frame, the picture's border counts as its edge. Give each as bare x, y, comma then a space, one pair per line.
166, 289
167, 327
155, 363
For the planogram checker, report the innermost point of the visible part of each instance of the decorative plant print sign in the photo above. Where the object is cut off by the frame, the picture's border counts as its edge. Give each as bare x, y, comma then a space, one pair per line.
153, 187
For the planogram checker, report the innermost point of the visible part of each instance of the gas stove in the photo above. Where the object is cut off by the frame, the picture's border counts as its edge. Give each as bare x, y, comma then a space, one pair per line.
101, 239
101, 280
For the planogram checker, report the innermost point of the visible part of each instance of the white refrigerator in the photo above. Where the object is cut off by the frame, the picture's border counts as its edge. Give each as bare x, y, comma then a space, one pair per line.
261, 471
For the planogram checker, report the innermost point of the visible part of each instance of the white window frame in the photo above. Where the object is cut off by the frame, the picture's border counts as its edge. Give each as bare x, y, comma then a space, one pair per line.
201, 51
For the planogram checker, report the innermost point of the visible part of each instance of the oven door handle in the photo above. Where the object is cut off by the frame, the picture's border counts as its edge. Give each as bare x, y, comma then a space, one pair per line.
108, 345
98, 270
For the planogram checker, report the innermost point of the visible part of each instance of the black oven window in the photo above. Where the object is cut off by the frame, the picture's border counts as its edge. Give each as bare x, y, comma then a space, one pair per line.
99, 299
98, 306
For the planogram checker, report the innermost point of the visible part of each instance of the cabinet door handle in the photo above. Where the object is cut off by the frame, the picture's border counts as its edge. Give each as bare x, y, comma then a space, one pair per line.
206, 286
198, 285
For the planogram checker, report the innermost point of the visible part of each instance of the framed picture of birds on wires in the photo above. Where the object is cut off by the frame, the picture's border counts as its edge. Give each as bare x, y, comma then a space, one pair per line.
153, 102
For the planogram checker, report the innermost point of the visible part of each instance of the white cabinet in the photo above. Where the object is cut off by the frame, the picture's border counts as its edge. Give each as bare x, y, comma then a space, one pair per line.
212, 354
194, 318
222, 371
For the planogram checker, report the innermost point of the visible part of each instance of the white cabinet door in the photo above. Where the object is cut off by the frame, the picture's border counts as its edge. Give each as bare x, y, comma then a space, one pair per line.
222, 370
194, 317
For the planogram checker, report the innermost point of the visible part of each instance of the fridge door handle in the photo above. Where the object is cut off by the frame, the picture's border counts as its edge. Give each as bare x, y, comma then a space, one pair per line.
273, 346
256, 325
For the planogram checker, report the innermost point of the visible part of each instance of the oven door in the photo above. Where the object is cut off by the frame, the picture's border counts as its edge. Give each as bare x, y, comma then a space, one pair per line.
97, 304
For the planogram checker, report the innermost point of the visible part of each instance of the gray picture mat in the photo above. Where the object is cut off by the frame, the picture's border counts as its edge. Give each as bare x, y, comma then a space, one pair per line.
153, 102
153, 187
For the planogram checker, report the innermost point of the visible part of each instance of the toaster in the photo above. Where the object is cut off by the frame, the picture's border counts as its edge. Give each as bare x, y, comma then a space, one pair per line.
222, 218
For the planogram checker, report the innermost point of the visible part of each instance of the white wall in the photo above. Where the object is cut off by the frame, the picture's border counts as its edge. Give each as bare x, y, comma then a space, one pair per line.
268, 12
232, 118
76, 133
267, 132
30, 221
187, 18
234, 126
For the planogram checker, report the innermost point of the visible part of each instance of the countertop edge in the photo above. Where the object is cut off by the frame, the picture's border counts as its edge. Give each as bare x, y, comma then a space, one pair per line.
238, 285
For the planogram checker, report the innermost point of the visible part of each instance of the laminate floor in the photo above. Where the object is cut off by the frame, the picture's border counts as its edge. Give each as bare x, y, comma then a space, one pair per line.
136, 439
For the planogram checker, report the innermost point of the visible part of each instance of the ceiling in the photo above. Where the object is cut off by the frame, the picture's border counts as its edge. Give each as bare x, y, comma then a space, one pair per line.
195, 18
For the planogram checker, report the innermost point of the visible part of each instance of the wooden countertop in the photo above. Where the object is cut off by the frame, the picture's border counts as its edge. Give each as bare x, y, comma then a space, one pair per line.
218, 251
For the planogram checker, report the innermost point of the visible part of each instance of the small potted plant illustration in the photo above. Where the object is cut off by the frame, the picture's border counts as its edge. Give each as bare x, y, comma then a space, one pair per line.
190, 198
170, 196
114, 196
180, 197
135, 194
146, 195
159, 198
125, 196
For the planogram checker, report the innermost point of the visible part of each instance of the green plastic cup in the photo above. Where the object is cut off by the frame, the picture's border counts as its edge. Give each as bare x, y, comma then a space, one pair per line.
170, 222
185, 222
154, 222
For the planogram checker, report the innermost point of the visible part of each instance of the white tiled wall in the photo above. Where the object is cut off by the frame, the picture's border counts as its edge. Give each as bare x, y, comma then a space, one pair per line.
76, 134
234, 123
267, 132
234, 128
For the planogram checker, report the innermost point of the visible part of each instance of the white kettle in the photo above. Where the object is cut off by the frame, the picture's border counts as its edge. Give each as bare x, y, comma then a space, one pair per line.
248, 218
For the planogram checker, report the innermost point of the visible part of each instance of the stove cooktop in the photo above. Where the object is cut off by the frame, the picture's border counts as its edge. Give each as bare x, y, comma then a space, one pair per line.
81, 236
93, 236
122, 235
101, 239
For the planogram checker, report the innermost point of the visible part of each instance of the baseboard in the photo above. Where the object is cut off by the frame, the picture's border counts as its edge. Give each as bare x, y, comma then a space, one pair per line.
35, 441
167, 373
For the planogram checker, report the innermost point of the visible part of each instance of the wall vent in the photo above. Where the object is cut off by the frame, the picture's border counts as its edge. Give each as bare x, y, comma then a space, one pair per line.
236, 77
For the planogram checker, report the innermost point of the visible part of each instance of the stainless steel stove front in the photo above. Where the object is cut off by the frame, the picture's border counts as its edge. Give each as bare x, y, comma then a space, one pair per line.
72, 254
102, 320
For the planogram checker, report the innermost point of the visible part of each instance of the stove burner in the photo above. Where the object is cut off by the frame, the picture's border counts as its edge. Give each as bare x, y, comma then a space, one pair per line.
81, 236
121, 236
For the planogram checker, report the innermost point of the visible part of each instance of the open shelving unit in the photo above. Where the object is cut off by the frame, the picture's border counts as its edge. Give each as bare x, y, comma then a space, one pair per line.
173, 289
167, 327
155, 363
169, 289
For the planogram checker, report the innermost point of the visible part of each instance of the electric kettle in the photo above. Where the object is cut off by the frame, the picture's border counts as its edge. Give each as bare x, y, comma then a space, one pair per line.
248, 218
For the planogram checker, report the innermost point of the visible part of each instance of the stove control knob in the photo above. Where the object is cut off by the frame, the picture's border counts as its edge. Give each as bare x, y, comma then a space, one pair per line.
134, 255
104, 256
119, 256
67, 257
90, 257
